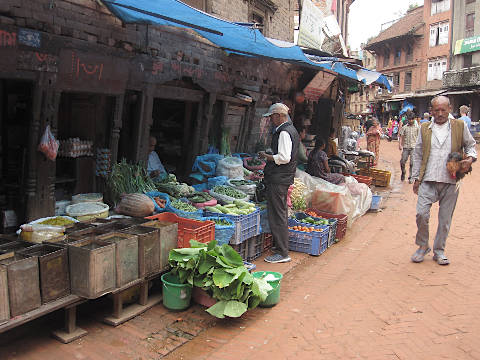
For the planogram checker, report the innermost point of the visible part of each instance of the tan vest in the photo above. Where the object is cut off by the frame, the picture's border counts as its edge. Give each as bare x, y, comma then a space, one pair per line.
457, 141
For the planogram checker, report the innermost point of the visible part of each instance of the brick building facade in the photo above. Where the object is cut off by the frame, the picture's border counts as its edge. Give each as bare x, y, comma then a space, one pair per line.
74, 66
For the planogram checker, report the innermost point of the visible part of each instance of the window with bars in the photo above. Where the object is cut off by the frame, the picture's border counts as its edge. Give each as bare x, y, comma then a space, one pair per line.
439, 6
467, 60
409, 53
407, 86
436, 68
439, 34
397, 57
396, 79
470, 25
386, 59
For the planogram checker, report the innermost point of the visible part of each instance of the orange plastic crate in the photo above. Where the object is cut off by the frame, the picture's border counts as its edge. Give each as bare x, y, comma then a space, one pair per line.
361, 179
188, 229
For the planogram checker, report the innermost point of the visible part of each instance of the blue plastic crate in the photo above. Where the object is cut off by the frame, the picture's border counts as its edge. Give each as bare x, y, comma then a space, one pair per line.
223, 233
332, 225
246, 226
313, 243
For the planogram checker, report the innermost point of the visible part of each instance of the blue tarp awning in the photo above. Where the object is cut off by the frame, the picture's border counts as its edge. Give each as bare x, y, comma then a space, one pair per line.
228, 36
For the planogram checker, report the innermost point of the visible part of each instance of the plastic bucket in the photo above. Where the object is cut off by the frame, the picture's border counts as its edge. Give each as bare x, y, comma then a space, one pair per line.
273, 297
176, 296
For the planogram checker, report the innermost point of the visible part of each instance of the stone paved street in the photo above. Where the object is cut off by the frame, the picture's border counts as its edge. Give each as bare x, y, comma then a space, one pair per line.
362, 299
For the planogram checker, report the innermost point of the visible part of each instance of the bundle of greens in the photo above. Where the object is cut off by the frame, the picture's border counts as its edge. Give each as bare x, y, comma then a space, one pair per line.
219, 270
175, 189
199, 197
128, 179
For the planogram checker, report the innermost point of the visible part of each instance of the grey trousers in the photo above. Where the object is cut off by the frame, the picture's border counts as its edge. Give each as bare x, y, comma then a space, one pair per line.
406, 153
278, 215
429, 193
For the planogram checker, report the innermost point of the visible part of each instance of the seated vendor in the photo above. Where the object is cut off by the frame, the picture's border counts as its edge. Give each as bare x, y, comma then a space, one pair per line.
318, 164
332, 145
302, 150
155, 168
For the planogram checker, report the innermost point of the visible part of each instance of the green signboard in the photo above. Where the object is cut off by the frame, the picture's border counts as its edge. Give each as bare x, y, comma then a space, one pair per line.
467, 45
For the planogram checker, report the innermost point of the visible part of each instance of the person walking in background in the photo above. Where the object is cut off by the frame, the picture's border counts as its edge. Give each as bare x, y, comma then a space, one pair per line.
373, 140
406, 144
426, 118
464, 110
279, 174
433, 183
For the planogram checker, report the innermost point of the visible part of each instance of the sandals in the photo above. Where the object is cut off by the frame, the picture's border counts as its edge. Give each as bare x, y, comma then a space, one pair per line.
441, 259
419, 255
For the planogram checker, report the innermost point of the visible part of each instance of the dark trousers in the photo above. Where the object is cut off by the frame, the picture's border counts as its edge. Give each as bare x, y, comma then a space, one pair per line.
278, 215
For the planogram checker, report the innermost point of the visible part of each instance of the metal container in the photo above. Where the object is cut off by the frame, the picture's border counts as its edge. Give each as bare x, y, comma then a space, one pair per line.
168, 238
126, 256
4, 303
6, 240
23, 283
10, 249
148, 249
78, 227
53, 266
92, 267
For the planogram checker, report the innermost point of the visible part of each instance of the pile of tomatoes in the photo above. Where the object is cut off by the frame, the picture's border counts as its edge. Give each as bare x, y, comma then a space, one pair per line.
305, 229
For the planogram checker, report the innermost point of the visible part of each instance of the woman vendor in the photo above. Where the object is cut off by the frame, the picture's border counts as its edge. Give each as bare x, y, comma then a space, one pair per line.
318, 164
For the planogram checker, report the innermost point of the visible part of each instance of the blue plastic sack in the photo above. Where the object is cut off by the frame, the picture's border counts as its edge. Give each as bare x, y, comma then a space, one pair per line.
223, 233
200, 187
206, 164
214, 181
154, 194
197, 176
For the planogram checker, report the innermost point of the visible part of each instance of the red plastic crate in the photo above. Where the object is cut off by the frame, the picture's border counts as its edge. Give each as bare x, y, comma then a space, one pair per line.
188, 229
341, 224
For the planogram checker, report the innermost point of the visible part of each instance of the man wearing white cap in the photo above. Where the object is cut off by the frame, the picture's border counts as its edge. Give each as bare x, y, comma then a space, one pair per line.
279, 174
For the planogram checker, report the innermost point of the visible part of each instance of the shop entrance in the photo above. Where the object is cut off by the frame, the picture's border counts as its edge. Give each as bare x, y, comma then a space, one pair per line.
174, 126
84, 122
15, 117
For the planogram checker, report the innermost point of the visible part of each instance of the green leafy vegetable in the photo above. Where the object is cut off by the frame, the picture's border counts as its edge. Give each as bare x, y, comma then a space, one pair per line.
219, 270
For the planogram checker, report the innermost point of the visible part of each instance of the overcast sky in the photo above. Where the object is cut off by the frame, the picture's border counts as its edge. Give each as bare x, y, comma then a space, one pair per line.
367, 16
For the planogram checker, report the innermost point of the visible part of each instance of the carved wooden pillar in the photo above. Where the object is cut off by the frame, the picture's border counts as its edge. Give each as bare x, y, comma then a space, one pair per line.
144, 124
116, 127
208, 115
40, 183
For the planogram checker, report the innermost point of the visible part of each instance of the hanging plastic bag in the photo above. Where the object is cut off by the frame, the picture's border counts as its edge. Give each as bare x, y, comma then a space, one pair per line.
48, 144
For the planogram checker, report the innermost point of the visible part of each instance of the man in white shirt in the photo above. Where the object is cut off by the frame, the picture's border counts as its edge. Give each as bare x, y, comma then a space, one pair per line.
155, 167
279, 174
436, 140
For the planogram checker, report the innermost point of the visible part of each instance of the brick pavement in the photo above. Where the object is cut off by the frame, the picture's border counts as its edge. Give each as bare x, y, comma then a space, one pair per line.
362, 299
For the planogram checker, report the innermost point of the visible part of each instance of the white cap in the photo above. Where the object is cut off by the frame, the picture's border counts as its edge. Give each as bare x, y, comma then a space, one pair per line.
277, 108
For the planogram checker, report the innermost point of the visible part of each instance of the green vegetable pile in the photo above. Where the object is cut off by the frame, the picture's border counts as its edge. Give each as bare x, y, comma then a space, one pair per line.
238, 207
174, 188
229, 191
222, 222
199, 197
310, 220
180, 205
219, 270
128, 179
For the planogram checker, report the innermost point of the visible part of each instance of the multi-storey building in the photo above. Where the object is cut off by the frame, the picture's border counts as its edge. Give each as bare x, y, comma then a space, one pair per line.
414, 52
463, 78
